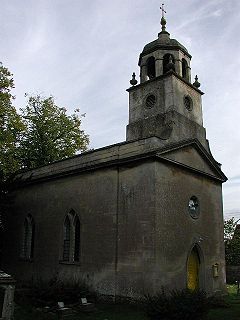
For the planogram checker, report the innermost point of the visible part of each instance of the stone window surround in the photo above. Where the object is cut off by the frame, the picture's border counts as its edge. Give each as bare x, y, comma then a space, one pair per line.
28, 234
70, 258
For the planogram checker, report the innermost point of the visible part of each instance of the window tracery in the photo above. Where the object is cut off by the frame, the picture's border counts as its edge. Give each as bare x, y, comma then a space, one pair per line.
71, 238
28, 238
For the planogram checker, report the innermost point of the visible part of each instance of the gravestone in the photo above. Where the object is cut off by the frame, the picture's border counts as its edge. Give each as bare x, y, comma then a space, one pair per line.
63, 311
86, 306
7, 288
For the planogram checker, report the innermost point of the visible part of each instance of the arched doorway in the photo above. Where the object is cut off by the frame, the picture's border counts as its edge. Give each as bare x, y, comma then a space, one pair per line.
193, 269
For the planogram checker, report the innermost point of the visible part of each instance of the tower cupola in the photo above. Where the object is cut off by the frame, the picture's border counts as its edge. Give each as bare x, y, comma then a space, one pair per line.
156, 56
165, 104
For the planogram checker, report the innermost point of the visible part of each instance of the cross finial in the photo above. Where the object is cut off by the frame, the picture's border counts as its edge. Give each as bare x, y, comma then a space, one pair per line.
163, 11
163, 20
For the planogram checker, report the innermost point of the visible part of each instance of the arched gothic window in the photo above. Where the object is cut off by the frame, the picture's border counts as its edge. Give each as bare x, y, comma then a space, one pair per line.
71, 238
167, 59
77, 239
184, 69
151, 68
66, 239
28, 238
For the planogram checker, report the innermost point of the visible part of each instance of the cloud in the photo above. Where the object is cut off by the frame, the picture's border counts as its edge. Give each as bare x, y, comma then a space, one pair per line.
35, 39
235, 213
233, 182
85, 52
205, 11
218, 13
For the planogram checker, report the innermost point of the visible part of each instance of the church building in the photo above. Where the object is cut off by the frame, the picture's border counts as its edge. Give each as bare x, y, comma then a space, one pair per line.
133, 217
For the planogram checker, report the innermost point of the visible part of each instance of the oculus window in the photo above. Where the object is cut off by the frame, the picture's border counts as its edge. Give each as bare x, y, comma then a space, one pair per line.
193, 207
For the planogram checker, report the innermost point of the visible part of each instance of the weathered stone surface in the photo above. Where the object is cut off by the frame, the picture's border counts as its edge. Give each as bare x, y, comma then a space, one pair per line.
8, 304
132, 198
134, 217
7, 287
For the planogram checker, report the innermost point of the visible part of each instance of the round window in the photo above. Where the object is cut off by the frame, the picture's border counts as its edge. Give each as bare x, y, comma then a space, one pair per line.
193, 207
188, 103
151, 101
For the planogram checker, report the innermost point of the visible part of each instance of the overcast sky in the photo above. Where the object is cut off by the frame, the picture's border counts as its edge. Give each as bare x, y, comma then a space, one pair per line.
84, 52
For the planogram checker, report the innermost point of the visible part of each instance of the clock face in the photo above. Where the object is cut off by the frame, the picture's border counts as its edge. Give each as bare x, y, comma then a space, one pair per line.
193, 207
188, 103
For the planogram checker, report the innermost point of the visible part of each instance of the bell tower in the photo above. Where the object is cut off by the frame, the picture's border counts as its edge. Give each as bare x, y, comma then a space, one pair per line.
165, 104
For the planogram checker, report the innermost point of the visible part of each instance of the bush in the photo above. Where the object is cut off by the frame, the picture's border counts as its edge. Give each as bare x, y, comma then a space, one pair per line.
178, 305
48, 294
218, 302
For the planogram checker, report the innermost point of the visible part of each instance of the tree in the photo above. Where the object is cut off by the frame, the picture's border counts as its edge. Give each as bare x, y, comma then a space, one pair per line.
50, 133
11, 127
229, 228
40, 134
232, 241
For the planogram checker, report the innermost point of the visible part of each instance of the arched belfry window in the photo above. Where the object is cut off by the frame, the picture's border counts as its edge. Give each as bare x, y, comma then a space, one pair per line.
71, 237
168, 63
28, 238
184, 69
151, 68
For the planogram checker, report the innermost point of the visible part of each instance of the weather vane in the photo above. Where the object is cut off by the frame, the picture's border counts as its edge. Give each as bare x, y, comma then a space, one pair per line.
163, 11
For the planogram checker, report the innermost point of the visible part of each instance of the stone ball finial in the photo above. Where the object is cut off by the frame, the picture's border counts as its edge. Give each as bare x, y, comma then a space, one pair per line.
133, 81
196, 83
163, 23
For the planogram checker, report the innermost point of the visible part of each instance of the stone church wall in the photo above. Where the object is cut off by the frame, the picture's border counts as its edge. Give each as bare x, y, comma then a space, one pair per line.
93, 197
177, 232
147, 211
116, 211
136, 231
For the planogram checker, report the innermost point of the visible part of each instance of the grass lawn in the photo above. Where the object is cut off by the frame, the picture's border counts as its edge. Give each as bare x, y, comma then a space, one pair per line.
128, 312
231, 313
104, 312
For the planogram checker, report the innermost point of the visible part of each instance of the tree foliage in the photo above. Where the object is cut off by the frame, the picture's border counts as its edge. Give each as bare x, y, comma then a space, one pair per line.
11, 127
50, 133
39, 134
229, 228
232, 241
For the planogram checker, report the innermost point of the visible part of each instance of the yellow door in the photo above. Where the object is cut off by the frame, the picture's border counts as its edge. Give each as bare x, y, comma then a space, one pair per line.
193, 270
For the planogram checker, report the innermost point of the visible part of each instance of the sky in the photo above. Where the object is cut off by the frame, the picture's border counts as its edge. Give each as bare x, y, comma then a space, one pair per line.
84, 52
